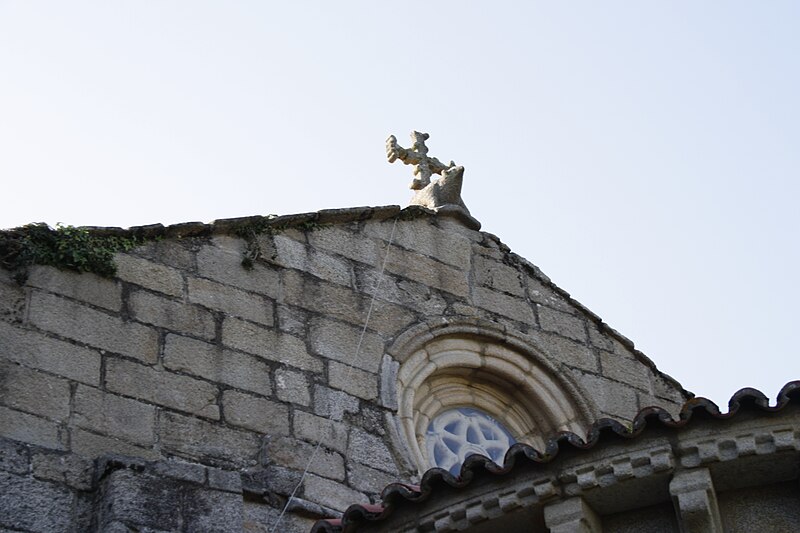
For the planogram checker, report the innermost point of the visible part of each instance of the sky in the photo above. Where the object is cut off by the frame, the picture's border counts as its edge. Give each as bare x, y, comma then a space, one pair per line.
643, 154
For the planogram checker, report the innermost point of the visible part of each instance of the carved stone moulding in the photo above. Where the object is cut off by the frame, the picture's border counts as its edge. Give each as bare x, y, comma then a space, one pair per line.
470, 366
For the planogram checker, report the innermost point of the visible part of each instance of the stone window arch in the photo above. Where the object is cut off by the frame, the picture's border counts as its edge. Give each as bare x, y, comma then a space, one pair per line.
466, 366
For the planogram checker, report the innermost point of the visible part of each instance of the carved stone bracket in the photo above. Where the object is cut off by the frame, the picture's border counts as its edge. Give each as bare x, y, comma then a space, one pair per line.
696, 501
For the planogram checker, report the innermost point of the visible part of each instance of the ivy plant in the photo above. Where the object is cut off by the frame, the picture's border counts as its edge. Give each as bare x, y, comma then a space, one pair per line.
64, 247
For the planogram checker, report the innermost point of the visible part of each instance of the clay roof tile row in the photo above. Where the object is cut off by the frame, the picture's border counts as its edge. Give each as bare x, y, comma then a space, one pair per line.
602, 432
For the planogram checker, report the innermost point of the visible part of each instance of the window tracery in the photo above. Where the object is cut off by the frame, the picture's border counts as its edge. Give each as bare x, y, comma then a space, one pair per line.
456, 434
456, 371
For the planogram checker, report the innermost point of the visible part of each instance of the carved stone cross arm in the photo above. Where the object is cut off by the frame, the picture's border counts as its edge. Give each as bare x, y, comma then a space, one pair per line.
417, 155
445, 192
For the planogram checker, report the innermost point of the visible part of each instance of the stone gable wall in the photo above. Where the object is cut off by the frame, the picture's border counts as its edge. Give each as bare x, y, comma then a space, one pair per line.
192, 380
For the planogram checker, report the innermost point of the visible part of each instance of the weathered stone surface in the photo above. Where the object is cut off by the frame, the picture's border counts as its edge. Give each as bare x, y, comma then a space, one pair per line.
293, 254
648, 400
31, 429
167, 252
389, 371
543, 294
12, 298
570, 516
502, 304
172, 315
83, 511
269, 344
34, 392
214, 363
598, 339
163, 388
204, 441
33, 505
498, 276
626, 370
424, 270
316, 429
664, 389
614, 401
654, 519
333, 404
369, 480
568, 352
110, 414
213, 511
13, 457
338, 341
696, 501
371, 450
85, 286
353, 380
181, 470
292, 320
622, 345
423, 237
222, 262
272, 478
261, 518
330, 493
92, 446
153, 276
72, 320
230, 300
344, 304
256, 414
463, 310
292, 387
134, 498
350, 244
295, 453
561, 323
227, 480
370, 418
401, 291
770, 508
424, 166
244, 368
34, 349
69, 469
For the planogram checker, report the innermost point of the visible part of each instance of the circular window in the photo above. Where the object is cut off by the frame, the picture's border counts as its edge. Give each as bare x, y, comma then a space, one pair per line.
458, 433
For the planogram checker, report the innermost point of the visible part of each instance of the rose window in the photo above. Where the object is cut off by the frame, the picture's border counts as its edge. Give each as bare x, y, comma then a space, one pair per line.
458, 433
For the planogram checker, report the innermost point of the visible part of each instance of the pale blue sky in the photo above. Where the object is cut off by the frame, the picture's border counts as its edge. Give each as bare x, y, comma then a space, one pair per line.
643, 154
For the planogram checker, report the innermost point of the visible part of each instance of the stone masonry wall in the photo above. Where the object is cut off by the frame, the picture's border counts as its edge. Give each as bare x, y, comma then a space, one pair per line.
188, 393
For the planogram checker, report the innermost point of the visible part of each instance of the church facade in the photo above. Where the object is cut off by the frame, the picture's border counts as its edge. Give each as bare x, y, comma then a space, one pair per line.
269, 374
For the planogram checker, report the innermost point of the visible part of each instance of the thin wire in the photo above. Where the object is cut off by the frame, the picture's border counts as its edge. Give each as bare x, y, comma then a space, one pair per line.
335, 404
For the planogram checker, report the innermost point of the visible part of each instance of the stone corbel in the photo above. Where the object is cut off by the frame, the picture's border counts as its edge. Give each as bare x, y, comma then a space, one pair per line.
695, 501
572, 516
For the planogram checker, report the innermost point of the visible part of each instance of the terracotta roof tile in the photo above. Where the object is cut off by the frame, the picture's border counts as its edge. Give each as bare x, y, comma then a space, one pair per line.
602, 432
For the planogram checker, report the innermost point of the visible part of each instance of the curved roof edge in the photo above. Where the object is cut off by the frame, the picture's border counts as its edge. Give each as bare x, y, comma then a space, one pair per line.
602, 432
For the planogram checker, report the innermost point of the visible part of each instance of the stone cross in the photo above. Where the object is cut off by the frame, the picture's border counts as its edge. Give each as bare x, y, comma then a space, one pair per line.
417, 155
445, 192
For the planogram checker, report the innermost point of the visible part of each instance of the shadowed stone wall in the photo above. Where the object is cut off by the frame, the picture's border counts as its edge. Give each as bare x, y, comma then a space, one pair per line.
188, 393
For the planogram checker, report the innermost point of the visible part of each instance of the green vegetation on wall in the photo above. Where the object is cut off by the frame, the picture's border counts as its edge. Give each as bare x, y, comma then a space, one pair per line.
92, 249
251, 230
64, 247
